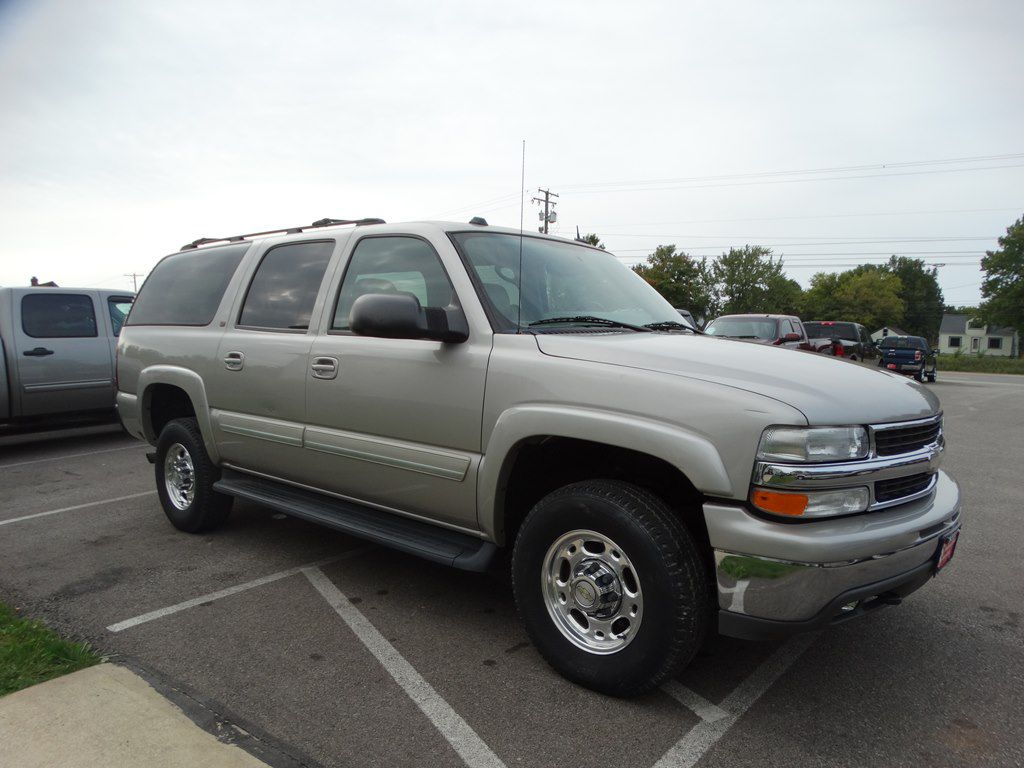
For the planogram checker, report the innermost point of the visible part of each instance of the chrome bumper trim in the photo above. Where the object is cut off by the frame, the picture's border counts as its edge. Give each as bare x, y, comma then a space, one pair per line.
791, 572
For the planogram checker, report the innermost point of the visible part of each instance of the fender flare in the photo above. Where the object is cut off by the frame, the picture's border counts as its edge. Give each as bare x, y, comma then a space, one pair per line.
692, 454
192, 384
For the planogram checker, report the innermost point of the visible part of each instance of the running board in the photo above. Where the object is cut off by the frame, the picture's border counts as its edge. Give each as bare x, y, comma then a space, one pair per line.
440, 545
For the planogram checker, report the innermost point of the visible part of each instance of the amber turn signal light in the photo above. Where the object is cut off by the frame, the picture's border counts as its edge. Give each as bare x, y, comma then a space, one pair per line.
791, 504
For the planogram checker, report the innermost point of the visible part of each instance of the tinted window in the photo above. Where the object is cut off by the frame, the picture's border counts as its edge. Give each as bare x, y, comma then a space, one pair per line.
828, 330
58, 315
743, 328
903, 342
118, 306
393, 265
285, 286
186, 288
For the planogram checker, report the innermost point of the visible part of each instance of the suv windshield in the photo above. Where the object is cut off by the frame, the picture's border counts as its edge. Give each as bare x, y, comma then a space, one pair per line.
743, 328
559, 280
903, 342
826, 330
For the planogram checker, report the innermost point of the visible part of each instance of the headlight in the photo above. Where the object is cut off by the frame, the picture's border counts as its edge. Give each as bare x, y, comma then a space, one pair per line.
813, 444
845, 501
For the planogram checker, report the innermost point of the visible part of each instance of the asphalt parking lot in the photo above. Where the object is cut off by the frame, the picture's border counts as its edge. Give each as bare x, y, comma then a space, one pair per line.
308, 647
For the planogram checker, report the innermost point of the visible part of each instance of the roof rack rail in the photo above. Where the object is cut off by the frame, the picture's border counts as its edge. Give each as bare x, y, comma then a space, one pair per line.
283, 231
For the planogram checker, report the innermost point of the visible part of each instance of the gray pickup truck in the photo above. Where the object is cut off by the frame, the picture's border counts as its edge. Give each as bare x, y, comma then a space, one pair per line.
457, 391
57, 353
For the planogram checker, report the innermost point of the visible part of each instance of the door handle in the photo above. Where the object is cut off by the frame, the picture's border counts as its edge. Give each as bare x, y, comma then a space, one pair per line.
234, 361
324, 367
37, 352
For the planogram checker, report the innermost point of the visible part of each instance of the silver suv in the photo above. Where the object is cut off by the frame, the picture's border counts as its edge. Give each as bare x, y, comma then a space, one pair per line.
456, 390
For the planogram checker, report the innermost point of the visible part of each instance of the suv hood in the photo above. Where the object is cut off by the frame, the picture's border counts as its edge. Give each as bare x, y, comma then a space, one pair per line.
825, 389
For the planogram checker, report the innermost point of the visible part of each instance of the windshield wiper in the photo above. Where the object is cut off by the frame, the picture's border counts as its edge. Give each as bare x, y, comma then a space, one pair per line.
671, 325
590, 320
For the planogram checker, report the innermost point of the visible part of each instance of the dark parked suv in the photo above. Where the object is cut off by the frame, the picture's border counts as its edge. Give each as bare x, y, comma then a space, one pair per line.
850, 340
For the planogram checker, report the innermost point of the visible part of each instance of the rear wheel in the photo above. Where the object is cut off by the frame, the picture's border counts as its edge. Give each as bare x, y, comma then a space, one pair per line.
184, 479
611, 586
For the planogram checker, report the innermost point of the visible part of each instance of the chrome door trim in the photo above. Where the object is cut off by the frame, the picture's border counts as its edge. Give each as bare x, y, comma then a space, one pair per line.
390, 453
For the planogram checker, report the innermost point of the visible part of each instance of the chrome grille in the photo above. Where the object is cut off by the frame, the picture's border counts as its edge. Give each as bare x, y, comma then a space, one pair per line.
897, 440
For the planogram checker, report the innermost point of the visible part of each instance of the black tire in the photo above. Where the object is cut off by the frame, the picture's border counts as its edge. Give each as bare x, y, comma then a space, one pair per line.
677, 602
206, 508
919, 377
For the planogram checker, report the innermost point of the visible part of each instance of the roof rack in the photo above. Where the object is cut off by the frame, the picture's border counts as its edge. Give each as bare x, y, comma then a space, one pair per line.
284, 231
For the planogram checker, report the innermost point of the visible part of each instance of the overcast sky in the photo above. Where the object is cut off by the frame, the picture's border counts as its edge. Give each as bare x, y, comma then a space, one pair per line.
129, 128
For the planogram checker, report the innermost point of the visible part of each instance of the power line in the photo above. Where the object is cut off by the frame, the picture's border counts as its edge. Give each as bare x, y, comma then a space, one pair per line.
832, 169
859, 241
806, 216
135, 283
790, 181
830, 253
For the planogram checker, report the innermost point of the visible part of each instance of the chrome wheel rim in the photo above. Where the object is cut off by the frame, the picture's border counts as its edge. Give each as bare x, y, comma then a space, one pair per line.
592, 592
179, 476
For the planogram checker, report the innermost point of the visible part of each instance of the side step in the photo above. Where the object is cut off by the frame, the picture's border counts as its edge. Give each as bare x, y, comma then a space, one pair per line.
430, 542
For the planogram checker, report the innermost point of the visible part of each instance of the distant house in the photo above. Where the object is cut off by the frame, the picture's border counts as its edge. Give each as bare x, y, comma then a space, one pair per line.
971, 336
888, 330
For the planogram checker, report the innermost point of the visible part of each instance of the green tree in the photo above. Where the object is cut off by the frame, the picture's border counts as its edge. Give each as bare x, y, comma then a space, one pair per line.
870, 297
921, 295
684, 281
868, 294
820, 299
751, 279
592, 239
1003, 287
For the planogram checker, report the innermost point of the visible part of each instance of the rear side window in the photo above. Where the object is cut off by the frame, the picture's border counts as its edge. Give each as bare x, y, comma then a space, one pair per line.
283, 291
118, 306
186, 288
58, 316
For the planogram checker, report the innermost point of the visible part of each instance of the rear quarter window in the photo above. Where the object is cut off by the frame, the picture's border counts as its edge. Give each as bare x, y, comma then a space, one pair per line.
186, 288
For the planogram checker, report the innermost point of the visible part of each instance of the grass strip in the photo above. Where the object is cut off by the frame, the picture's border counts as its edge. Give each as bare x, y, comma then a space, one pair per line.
31, 652
983, 364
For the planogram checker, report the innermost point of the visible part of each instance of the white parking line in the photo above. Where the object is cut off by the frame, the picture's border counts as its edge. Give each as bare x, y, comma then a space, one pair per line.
121, 626
699, 739
693, 701
73, 455
77, 506
463, 739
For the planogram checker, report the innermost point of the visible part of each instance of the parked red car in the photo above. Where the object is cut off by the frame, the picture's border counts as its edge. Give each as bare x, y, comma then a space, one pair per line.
777, 330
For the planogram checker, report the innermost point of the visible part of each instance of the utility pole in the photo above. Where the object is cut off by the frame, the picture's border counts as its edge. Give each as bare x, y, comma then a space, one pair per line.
549, 216
135, 283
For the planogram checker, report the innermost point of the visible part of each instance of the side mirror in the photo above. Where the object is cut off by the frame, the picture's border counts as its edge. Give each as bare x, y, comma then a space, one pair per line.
791, 337
935, 351
400, 316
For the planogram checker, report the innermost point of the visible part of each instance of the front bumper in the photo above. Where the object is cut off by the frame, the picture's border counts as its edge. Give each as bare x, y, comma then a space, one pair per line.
777, 578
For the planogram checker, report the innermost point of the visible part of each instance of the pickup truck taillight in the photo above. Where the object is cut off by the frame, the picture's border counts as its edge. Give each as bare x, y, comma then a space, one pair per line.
840, 350
917, 354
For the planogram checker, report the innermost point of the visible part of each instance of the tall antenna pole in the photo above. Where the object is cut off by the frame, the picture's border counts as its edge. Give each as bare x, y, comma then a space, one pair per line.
522, 205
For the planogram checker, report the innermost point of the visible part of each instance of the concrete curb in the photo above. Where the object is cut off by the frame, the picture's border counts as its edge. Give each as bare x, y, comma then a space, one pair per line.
106, 716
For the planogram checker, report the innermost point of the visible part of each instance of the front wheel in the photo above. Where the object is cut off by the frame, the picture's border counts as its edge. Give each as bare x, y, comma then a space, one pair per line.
611, 586
184, 479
